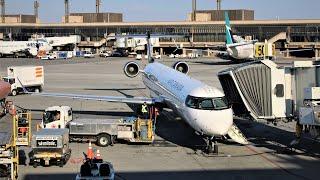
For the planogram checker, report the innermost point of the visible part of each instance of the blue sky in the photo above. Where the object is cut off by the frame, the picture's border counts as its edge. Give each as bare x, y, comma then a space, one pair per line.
168, 10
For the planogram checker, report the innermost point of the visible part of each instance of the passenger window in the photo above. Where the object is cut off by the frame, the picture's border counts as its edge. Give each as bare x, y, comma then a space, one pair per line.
279, 90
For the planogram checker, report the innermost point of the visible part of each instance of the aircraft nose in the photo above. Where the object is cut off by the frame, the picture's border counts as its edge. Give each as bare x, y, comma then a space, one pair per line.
218, 122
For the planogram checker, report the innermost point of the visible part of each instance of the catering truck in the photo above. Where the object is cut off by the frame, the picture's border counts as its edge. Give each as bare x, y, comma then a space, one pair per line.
102, 131
29, 77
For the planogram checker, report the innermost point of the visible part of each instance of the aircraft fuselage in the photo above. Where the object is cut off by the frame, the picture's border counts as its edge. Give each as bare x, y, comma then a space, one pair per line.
176, 88
241, 52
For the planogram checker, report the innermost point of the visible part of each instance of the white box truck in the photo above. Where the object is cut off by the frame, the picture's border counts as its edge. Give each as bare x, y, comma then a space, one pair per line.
30, 77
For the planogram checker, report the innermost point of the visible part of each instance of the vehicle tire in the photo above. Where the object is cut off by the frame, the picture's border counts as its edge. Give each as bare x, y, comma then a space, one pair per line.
14, 92
35, 164
104, 140
37, 90
61, 163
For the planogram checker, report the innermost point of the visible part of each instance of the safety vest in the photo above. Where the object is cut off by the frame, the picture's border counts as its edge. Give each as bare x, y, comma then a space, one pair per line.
144, 109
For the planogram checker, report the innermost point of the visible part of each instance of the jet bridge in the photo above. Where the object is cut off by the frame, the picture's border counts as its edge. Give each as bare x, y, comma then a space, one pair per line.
263, 90
255, 89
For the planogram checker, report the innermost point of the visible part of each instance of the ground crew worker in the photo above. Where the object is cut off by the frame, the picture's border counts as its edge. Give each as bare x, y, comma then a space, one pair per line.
144, 110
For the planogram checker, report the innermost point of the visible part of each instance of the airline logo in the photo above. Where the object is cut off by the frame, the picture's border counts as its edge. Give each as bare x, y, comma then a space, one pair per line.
39, 72
175, 85
34, 44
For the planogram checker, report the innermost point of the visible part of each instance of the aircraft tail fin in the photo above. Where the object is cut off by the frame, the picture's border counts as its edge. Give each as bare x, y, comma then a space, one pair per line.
229, 35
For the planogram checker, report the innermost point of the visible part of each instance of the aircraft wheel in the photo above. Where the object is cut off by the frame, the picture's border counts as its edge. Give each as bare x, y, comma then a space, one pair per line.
35, 164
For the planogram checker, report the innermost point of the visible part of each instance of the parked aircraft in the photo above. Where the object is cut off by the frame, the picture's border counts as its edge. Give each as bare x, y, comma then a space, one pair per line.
237, 47
29, 48
203, 107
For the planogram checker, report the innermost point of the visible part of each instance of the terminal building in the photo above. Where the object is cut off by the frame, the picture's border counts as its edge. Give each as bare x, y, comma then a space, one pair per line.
206, 30
93, 17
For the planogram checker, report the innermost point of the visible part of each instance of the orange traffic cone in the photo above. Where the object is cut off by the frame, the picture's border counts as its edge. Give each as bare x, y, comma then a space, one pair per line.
98, 155
90, 153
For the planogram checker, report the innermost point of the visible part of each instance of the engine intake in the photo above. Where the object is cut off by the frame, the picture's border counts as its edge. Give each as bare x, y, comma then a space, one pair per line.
181, 67
131, 69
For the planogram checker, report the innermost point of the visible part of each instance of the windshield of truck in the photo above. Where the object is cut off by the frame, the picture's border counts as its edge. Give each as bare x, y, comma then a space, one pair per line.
9, 80
51, 116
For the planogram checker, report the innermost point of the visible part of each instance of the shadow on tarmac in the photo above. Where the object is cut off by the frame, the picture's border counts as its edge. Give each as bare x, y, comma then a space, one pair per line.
233, 174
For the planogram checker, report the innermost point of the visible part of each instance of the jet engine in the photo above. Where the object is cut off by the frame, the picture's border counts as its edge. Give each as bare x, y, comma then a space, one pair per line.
181, 66
131, 69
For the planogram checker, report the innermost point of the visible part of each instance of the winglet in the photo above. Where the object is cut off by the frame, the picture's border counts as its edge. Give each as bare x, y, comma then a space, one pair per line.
229, 37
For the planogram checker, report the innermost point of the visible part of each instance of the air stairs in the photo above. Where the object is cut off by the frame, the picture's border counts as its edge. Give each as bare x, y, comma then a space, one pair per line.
236, 135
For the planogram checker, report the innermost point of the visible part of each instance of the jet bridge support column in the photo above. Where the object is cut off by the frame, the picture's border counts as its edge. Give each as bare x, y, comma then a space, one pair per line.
287, 53
3, 10
66, 11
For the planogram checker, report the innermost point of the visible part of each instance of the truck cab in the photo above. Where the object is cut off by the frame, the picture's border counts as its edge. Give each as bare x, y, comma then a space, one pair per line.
56, 117
12, 82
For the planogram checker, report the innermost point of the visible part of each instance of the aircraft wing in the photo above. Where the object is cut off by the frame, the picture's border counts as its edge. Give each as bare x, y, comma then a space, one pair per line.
150, 36
240, 44
119, 99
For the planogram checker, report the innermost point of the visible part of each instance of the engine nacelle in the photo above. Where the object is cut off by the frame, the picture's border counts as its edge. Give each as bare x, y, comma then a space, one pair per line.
131, 69
181, 67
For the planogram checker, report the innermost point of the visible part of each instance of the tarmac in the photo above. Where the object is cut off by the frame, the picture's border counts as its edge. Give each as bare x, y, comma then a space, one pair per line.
176, 153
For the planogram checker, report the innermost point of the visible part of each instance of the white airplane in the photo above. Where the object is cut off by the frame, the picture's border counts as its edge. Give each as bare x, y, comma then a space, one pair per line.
57, 41
23, 47
237, 47
203, 107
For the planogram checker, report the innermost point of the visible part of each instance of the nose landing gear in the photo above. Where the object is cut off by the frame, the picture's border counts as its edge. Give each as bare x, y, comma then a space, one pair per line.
211, 145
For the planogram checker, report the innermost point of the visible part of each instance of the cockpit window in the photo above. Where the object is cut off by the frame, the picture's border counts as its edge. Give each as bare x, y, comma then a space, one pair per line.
203, 103
9, 80
206, 104
192, 102
220, 103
